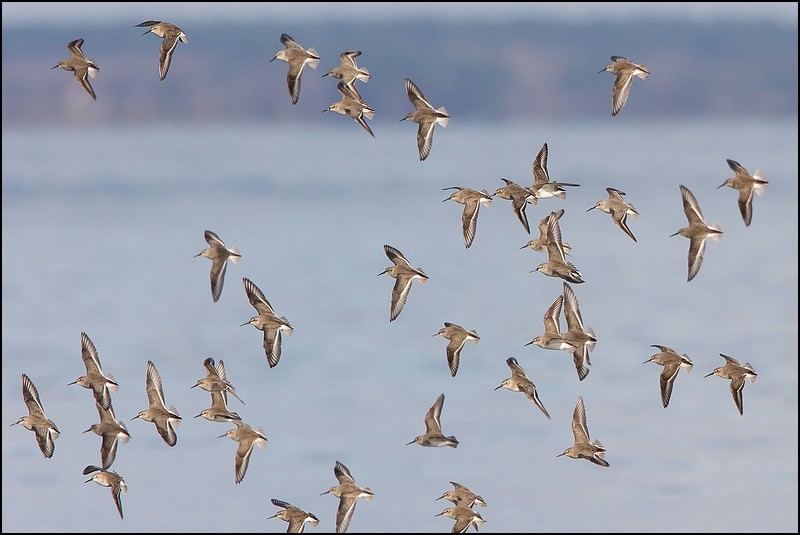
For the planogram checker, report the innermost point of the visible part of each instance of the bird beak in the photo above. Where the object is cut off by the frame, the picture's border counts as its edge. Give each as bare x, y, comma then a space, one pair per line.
51, 68
671, 235
645, 362
499, 387
148, 31
598, 72
134, 417
87, 430
323, 76
447, 199
192, 386
199, 415
709, 375
72, 383
324, 493
242, 325
440, 514
410, 443
592, 208
273, 59
561, 454
87, 480
222, 436
717, 186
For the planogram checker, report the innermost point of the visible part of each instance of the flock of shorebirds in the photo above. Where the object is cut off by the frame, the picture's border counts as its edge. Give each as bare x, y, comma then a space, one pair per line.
577, 339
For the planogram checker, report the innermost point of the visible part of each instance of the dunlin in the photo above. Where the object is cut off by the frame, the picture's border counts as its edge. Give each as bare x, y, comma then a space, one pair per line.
267, 321
457, 336
348, 71
519, 382
218, 411
519, 197
404, 274
80, 65
581, 337
557, 265
216, 380
552, 337
112, 431
697, 231
426, 117
464, 517
165, 420
36, 420
297, 57
672, 363
219, 255
104, 478
353, 106
618, 208
542, 186
100, 383
433, 436
170, 34
540, 244
461, 495
625, 71
295, 516
737, 374
348, 492
472, 201
247, 437
584, 449
745, 184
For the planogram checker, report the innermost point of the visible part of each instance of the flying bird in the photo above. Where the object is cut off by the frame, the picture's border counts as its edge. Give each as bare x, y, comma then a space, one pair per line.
472, 201
625, 71
267, 321
82, 67
170, 35
746, 184
219, 254
697, 231
426, 117
583, 448
297, 57
404, 274
45, 430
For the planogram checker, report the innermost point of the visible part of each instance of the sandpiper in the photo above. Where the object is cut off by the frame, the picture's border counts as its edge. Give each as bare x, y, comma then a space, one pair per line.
542, 186
100, 383
625, 71
745, 184
540, 244
219, 255
461, 495
697, 231
297, 57
464, 517
552, 337
433, 436
672, 363
353, 106
80, 65
247, 437
104, 478
165, 420
584, 449
618, 208
348, 72
737, 374
519, 382
457, 336
216, 380
218, 411
112, 432
581, 337
426, 117
36, 420
348, 492
520, 197
557, 265
170, 35
472, 201
295, 516
266, 321
404, 274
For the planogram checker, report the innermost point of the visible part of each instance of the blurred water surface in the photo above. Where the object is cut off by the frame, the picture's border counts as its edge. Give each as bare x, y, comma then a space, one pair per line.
100, 225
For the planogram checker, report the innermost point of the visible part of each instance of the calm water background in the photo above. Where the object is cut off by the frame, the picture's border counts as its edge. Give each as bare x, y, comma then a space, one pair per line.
100, 225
